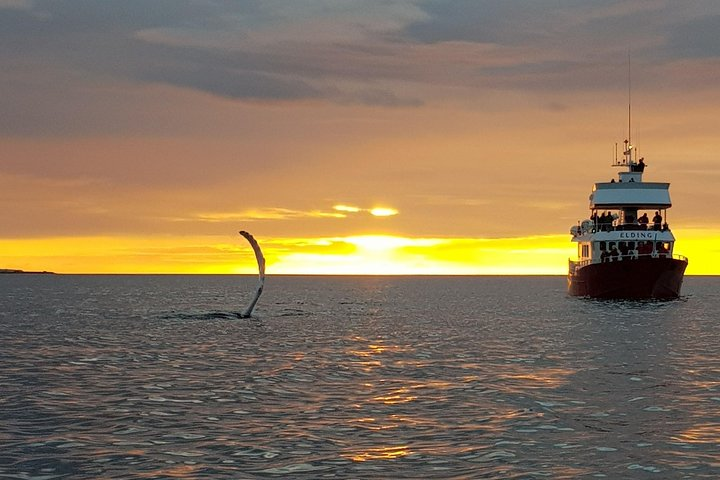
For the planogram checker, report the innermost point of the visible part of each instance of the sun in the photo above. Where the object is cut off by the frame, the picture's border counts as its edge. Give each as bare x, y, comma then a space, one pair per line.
383, 212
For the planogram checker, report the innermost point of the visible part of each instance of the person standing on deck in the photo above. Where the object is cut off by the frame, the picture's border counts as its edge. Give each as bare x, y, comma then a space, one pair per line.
657, 221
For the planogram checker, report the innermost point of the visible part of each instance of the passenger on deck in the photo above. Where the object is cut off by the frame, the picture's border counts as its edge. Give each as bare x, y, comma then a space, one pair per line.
606, 222
657, 221
643, 221
640, 167
610, 220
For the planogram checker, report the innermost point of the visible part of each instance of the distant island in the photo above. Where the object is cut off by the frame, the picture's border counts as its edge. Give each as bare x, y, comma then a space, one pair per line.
10, 270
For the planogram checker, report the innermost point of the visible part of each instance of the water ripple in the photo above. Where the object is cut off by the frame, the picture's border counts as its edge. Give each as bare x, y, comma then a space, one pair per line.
153, 377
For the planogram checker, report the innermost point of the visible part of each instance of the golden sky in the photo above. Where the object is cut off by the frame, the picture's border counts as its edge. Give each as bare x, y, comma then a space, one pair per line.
411, 136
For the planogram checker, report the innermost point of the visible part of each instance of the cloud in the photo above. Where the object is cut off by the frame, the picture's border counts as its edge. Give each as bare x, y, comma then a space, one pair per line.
346, 208
241, 50
231, 83
383, 212
16, 4
375, 211
338, 211
262, 214
61, 55
565, 26
697, 38
569, 45
508, 22
380, 98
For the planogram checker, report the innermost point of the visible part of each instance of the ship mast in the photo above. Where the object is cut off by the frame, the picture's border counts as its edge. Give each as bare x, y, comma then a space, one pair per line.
634, 166
629, 102
628, 161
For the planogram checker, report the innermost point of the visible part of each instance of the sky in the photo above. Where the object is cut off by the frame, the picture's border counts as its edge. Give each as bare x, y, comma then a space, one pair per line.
348, 136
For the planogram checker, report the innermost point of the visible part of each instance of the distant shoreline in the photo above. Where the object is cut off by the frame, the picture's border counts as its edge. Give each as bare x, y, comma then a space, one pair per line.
14, 271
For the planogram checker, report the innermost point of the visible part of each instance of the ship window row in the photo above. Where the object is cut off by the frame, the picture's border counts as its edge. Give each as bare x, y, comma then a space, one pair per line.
642, 247
612, 251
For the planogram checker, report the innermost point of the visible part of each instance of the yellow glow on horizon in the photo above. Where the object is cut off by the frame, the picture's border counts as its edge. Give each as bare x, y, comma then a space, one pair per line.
387, 242
352, 255
701, 247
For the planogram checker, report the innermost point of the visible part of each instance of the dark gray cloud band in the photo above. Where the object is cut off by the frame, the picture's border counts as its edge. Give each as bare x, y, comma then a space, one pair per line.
65, 48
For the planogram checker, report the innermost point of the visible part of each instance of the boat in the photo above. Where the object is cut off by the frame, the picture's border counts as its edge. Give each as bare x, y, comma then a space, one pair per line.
626, 246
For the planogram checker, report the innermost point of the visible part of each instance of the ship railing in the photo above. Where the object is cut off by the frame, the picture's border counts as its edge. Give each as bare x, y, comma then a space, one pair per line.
634, 255
615, 227
574, 265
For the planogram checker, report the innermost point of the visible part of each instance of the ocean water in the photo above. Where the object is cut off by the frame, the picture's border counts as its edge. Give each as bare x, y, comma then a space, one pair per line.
354, 377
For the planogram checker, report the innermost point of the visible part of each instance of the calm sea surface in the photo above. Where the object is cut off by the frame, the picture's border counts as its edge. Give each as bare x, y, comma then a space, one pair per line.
354, 377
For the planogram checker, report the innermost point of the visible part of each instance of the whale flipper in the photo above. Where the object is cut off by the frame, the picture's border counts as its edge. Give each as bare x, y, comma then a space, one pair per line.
261, 273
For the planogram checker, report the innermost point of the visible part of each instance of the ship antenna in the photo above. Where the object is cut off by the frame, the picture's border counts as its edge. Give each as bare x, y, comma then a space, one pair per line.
629, 102
616, 157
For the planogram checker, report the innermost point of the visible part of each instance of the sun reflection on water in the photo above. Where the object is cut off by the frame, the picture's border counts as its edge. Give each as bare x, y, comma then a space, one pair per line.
377, 349
380, 453
397, 396
371, 353
371, 423
174, 471
707, 433
538, 378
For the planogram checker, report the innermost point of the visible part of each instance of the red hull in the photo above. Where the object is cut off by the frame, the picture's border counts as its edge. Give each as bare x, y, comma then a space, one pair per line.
641, 278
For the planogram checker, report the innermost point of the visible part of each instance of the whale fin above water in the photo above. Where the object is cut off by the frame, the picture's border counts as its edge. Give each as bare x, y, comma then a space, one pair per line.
261, 273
